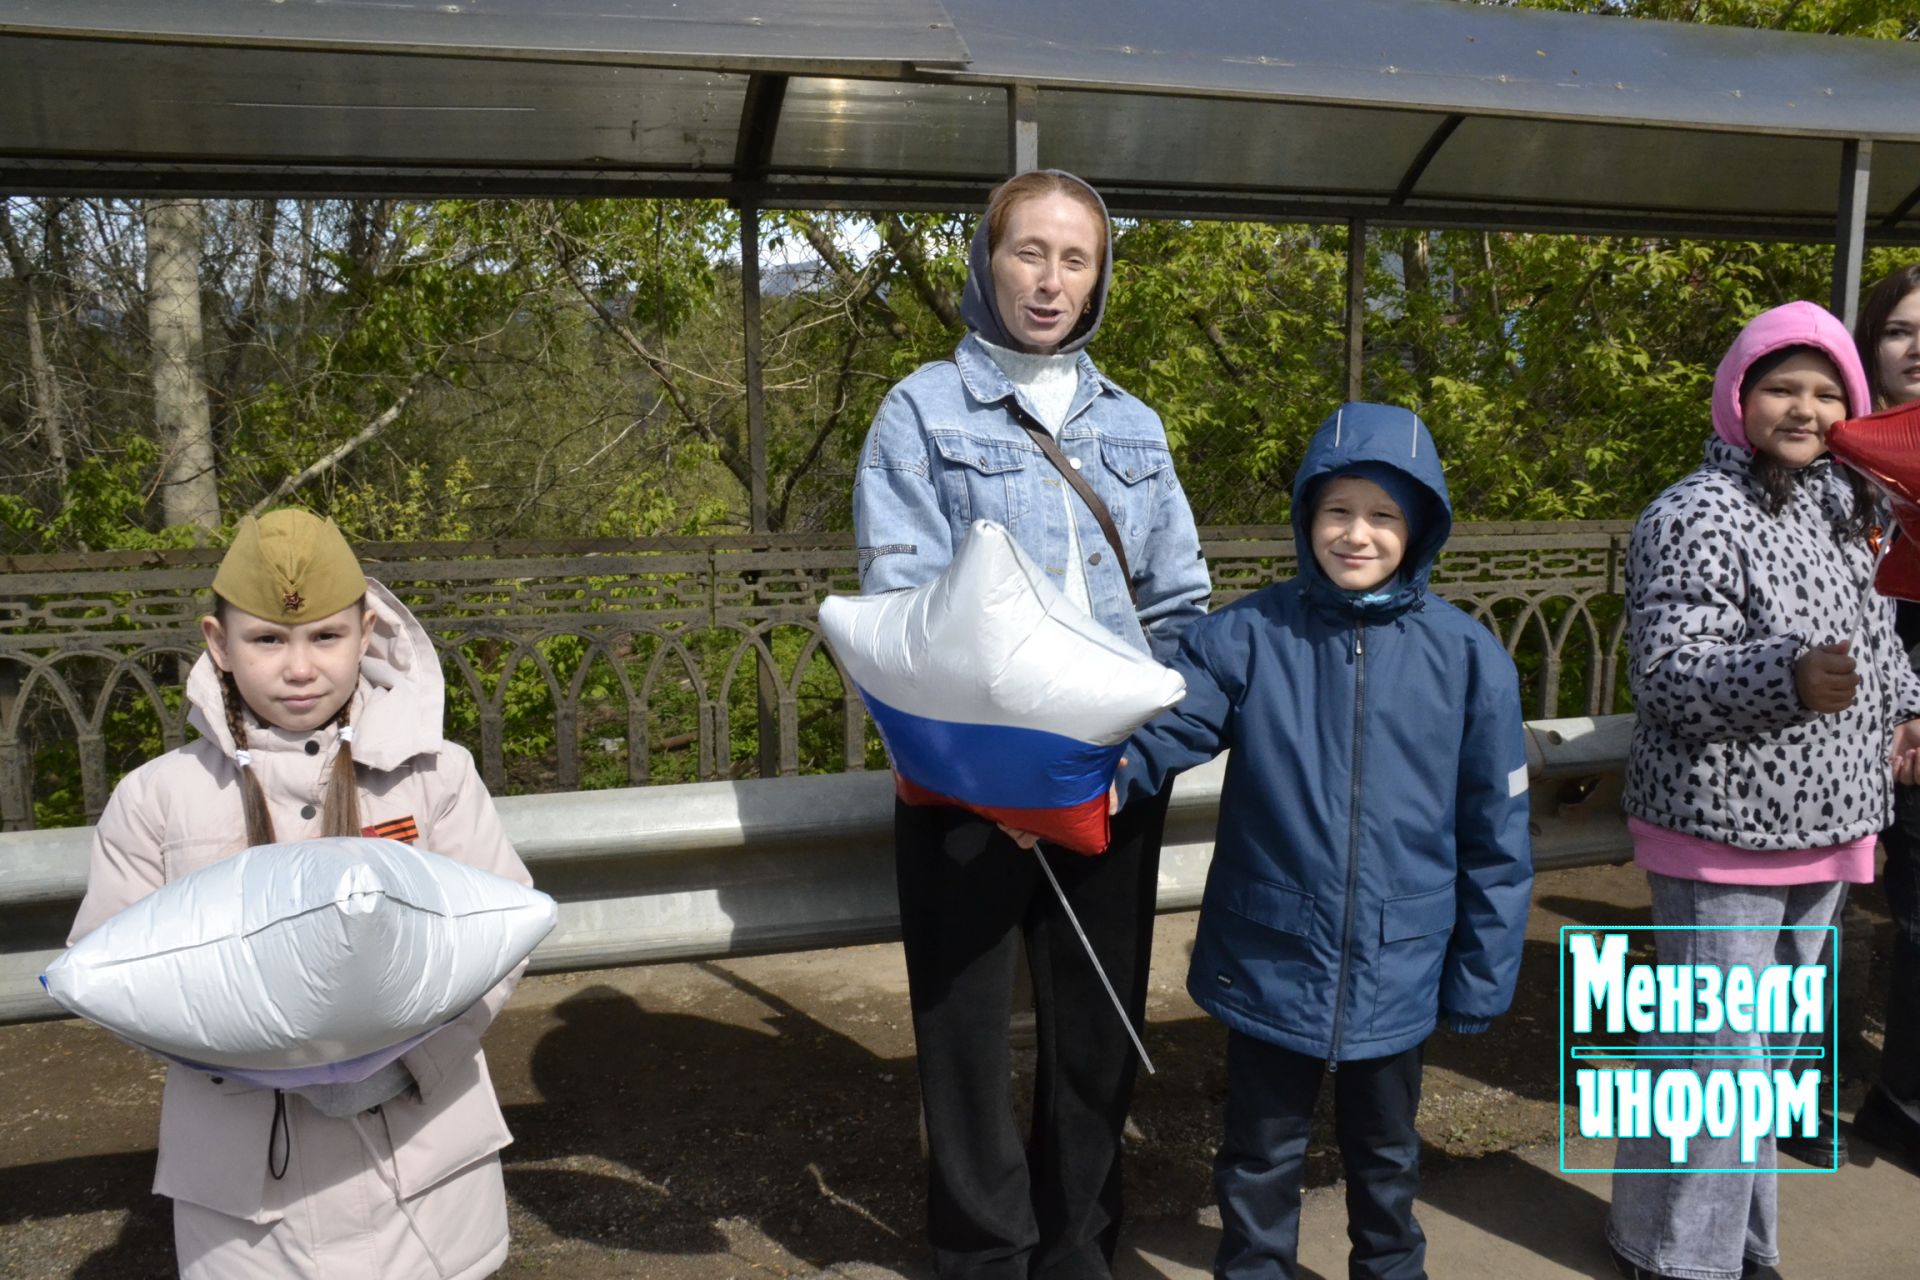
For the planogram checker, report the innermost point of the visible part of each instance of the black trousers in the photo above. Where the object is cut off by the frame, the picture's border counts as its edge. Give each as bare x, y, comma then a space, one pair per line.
969, 898
1896, 1094
1257, 1175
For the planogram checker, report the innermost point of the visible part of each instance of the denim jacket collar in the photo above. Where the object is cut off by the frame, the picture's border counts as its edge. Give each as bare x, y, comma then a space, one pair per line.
988, 383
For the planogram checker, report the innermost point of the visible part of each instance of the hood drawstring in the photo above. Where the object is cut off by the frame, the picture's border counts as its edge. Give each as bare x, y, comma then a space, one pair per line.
279, 1138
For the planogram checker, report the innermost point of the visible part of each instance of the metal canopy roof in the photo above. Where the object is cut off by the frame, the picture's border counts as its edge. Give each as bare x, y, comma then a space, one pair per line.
1424, 112
855, 36
1445, 55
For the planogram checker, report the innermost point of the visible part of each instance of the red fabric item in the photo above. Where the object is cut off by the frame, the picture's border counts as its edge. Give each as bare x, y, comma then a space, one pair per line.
1081, 827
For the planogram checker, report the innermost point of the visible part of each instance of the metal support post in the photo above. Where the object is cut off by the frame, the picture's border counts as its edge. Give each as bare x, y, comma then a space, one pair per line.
1356, 305
1850, 234
756, 390
1023, 127
768, 701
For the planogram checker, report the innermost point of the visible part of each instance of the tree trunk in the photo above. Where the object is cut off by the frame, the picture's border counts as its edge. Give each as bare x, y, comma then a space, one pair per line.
1416, 263
48, 416
910, 254
189, 489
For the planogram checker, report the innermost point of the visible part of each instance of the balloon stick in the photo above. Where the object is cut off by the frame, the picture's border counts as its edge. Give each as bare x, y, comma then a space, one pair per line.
1125, 1021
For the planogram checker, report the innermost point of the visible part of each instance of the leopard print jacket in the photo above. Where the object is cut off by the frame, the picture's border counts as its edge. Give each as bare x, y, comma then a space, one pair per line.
1722, 598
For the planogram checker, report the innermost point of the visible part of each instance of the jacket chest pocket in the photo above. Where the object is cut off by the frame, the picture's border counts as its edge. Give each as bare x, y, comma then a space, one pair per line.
984, 479
184, 855
1134, 472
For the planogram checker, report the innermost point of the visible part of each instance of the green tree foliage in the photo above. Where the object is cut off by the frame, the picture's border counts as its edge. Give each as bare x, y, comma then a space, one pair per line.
561, 368
1877, 19
550, 367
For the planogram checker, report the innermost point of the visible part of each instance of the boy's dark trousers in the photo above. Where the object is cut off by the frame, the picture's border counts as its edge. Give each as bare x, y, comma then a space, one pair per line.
1262, 1161
997, 1206
1891, 1114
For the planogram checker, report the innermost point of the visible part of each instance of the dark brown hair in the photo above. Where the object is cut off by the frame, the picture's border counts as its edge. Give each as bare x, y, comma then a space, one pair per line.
340, 815
1776, 491
1872, 325
1021, 188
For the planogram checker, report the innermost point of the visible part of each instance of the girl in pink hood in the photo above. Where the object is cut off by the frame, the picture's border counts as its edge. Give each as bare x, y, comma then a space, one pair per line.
1772, 699
318, 704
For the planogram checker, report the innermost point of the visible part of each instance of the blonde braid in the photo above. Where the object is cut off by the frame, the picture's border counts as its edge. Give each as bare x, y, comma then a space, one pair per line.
341, 816
253, 801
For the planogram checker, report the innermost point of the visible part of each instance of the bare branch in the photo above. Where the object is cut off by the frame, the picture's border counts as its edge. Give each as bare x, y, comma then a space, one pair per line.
386, 418
660, 368
906, 247
1218, 341
864, 285
842, 393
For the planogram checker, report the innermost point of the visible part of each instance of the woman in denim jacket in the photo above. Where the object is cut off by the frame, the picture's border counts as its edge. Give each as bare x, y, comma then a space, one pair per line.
951, 444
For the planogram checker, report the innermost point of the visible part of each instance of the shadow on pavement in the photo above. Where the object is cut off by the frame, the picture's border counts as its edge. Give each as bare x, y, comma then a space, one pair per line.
54, 1189
1513, 1200
657, 1127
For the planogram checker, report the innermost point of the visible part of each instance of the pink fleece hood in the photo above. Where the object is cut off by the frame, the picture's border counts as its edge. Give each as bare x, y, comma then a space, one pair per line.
1797, 324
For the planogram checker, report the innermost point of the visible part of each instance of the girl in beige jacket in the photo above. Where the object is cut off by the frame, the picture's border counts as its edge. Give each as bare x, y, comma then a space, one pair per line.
318, 704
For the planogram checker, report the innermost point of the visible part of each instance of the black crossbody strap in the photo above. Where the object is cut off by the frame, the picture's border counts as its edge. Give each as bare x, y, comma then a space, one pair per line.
1051, 447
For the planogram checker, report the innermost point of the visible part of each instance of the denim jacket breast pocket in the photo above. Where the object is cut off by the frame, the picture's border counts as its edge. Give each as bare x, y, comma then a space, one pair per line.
1135, 471
982, 478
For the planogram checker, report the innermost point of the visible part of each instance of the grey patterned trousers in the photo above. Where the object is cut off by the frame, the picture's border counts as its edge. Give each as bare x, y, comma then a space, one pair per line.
1697, 1225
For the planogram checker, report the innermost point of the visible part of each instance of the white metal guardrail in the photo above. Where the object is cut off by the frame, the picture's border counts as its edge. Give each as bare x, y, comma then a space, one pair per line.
715, 869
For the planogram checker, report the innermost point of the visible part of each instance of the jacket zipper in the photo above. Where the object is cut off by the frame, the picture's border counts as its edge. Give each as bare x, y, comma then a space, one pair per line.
1353, 843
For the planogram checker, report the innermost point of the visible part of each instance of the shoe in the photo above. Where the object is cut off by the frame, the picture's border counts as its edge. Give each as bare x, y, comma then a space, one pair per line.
1891, 1133
1751, 1270
1632, 1270
1819, 1152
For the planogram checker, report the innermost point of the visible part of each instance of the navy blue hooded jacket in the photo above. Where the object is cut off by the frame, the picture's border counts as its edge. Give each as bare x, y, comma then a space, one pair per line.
1372, 868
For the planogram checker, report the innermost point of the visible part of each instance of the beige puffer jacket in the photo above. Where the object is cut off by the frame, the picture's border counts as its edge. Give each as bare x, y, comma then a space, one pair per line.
412, 1188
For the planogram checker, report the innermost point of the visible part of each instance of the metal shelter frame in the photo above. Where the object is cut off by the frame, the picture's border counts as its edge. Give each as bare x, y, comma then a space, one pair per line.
1356, 112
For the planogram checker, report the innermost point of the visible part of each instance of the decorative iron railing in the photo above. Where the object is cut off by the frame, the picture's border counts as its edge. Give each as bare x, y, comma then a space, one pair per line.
583, 664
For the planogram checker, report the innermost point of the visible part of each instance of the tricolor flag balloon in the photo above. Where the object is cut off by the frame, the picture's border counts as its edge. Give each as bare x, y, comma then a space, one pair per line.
1885, 448
995, 693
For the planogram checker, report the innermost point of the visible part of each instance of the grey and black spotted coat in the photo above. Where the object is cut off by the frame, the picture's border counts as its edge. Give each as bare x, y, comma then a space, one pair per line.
1722, 597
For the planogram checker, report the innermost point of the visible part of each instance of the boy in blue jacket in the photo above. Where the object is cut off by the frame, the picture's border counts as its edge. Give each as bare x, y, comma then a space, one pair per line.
1371, 870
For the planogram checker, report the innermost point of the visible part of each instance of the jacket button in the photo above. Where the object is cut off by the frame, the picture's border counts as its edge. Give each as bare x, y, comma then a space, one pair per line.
1094, 558
313, 748
218, 1079
1074, 463
306, 811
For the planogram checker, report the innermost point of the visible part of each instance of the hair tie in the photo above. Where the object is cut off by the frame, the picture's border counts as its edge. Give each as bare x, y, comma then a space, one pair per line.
243, 758
346, 733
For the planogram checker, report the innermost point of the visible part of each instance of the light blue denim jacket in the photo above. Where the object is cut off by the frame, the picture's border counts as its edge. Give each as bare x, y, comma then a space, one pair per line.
945, 449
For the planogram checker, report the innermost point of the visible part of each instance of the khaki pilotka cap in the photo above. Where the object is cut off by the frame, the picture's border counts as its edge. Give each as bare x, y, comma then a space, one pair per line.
289, 566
